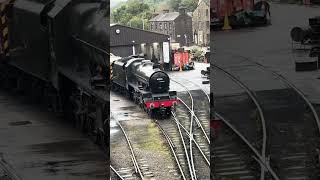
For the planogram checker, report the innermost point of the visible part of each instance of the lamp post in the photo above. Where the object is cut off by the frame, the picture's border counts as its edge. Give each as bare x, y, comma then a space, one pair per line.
133, 48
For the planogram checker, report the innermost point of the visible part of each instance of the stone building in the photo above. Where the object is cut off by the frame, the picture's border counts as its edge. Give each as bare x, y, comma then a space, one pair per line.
201, 23
178, 25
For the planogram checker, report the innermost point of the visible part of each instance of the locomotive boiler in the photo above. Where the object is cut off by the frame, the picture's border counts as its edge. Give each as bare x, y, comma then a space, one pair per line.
145, 84
57, 52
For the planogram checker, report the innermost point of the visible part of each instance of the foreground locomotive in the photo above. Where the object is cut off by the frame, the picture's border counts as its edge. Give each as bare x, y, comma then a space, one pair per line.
57, 54
145, 84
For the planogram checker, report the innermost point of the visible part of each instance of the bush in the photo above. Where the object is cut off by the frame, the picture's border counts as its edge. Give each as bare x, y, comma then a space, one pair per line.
197, 55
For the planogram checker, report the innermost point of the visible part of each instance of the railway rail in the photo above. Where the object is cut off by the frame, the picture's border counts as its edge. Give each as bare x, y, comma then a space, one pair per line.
117, 173
137, 168
255, 153
292, 159
173, 150
296, 159
253, 97
199, 141
174, 132
8, 171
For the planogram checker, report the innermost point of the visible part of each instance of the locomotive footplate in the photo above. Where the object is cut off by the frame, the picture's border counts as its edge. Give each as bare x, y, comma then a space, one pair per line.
83, 81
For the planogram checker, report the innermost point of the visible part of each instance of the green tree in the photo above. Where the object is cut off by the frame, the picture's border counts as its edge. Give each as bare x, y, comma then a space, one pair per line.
175, 4
134, 13
190, 5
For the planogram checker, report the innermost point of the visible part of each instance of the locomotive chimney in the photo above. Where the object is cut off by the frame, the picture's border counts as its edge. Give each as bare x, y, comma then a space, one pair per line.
103, 4
156, 66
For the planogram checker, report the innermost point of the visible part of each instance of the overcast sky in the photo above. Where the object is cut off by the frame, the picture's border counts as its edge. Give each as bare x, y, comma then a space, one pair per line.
115, 2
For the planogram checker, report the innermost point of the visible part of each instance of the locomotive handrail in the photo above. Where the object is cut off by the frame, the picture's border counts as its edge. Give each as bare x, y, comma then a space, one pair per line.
90, 45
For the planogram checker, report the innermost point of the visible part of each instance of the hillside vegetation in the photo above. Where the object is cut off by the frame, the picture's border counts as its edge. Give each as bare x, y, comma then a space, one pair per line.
136, 13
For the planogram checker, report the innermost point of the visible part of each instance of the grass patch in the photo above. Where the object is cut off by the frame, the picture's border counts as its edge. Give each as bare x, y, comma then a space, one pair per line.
153, 140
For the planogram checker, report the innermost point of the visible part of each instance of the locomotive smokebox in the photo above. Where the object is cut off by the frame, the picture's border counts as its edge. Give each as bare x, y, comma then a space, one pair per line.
159, 82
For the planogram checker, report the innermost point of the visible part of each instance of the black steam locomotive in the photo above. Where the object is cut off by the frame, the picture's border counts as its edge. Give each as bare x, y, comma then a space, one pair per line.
56, 51
145, 83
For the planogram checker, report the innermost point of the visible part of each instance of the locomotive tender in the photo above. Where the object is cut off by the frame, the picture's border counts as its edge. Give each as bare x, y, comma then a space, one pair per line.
57, 52
145, 83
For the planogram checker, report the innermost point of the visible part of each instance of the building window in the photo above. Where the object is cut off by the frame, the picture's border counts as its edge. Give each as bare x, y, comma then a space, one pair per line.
208, 24
156, 26
207, 12
165, 26
170, 26
151, 26
160, 25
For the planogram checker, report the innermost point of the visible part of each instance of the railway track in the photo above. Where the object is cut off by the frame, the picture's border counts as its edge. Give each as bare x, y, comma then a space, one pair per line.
298, 164
289, 117
176, 146
139, 169
6, 171
191, 130
261, 118
239, 158
175, 132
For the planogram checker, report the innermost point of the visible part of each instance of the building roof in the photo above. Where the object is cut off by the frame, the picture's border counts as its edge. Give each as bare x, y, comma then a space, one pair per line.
126, 35
206, 1
165, 16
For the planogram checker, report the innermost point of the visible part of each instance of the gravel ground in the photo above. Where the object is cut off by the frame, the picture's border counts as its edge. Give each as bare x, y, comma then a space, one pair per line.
150, 147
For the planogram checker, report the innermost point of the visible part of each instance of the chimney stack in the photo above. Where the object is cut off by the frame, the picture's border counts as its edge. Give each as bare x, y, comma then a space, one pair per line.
182, 10
155, 14
165, 11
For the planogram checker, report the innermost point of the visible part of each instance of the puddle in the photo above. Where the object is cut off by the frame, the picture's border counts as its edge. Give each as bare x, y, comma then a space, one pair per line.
129, 108
113, 131
113, 127
60, 147
19, 123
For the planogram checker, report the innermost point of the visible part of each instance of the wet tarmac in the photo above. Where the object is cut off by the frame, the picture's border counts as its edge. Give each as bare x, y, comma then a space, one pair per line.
270, 46
286, 114
191, 78
36, 144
